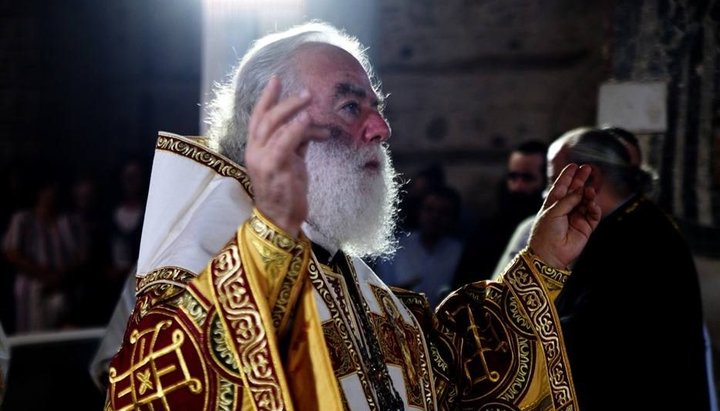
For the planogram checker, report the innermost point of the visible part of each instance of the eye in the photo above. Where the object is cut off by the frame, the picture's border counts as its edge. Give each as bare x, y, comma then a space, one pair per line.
351, 107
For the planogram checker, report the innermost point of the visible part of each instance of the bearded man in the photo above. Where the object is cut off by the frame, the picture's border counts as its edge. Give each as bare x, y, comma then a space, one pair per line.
251, 290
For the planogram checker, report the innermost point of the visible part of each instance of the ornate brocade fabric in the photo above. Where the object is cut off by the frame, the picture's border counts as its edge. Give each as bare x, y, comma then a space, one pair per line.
202, 343
500, 345
185, 343
266, 326
398, 334
487, 348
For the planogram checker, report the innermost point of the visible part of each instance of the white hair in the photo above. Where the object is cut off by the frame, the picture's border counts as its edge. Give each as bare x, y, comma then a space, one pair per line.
229, 112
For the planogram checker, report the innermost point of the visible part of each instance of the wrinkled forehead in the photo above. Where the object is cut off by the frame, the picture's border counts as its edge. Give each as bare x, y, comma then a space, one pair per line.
332, 64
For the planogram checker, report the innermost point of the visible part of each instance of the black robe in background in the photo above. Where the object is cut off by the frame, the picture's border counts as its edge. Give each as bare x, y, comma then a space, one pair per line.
631, 314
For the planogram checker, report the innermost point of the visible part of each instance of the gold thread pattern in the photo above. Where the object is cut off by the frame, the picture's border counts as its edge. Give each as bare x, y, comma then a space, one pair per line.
438, 360
519, 384
342, 330
534, 301
491, 360
192, 308
219, 348
173, 276
241, 314
144, 381
442, 355
426, 373
274, 261
343, 365
556, 275
196, 152
517, 318
226, 395
401, 330
157, 287
338, 287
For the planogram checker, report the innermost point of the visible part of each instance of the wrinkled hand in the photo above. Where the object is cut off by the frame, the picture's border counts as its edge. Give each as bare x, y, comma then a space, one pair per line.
567, 218
278, 135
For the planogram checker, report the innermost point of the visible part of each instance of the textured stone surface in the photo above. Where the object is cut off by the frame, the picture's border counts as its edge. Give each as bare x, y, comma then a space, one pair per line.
469, 80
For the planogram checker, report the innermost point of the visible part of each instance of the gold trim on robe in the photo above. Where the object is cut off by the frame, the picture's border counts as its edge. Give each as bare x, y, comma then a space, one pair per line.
197, 151
499, 344
265, 326
285, 280
220, 332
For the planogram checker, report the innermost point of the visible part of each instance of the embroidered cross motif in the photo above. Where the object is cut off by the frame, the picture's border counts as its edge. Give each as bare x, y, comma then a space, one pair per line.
156, 370
144, 379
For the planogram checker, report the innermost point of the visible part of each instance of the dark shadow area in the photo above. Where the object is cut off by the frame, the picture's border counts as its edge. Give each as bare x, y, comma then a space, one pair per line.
49, 371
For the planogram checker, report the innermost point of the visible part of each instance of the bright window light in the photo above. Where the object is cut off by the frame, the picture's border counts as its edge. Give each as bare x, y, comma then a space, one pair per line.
254, 4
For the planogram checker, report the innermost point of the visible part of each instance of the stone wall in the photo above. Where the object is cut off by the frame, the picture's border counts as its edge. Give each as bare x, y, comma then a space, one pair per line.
87, 81
470, 79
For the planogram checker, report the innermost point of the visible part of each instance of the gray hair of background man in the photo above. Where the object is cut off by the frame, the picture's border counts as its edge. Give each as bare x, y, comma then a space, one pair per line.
603, 148
229, 112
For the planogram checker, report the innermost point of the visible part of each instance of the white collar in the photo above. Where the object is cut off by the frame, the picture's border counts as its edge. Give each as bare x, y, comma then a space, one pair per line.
196, 201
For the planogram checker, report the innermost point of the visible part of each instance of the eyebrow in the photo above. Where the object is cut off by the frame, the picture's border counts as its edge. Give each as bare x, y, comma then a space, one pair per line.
345, 89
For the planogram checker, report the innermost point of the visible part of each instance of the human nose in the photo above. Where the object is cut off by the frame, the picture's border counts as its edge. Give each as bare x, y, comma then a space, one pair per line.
377, 128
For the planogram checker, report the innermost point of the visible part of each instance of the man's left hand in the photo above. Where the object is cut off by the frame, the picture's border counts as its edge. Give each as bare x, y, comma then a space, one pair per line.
567, 218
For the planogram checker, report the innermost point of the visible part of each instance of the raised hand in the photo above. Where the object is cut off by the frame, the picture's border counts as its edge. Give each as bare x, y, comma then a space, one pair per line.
567, 218
278, 134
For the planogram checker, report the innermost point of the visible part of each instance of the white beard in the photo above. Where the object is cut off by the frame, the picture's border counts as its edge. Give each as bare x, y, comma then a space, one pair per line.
351, 207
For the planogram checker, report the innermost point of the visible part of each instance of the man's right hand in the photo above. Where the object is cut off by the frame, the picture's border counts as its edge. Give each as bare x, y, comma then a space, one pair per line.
278, 134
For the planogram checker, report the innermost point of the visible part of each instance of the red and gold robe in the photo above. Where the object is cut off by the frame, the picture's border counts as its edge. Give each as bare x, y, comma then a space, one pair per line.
269, 324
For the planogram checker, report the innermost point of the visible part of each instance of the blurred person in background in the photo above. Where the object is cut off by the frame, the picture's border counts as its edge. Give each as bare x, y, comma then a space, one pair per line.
39, 243
631, 312
519, 196
428, 256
